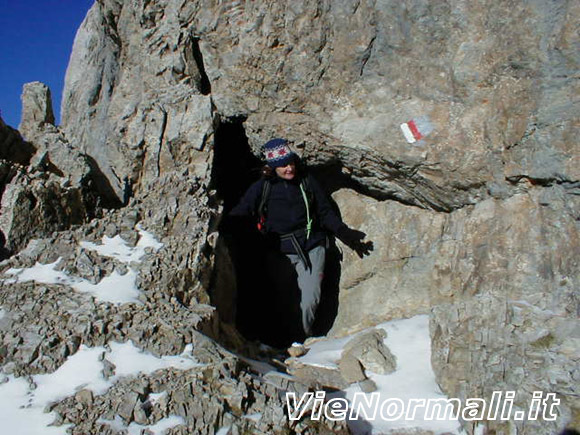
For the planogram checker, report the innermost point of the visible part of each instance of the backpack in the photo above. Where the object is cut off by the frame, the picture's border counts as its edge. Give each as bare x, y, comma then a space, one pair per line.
263, 209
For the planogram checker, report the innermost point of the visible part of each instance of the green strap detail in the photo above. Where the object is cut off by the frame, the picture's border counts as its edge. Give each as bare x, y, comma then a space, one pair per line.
308, 219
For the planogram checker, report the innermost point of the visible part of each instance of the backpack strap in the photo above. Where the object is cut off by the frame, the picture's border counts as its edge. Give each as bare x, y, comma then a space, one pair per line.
307, 206
262, 206
305, 183
309, 201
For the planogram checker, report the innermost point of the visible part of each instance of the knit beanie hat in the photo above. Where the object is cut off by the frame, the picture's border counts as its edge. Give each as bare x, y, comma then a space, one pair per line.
278, 153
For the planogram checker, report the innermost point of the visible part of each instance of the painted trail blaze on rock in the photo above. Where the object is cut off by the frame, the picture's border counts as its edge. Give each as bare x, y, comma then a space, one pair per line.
416, 129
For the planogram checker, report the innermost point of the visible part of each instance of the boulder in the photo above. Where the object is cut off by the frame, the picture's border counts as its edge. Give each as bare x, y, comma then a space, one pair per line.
370, 351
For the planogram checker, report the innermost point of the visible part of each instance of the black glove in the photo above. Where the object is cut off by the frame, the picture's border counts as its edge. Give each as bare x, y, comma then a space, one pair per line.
354, 240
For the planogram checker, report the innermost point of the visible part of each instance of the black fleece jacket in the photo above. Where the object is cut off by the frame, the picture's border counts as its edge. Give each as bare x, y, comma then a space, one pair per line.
286, 211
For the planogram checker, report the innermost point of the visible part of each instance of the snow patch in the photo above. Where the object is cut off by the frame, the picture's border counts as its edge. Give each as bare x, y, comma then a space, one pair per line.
254, 417
118, 425
224, 430
117, 248
154, 398
158, 428
22, 405
326, 353
19, 416
115, 288
410, 343
41, 273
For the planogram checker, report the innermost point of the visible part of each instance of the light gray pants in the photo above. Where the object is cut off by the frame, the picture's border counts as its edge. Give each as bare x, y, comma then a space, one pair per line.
309, 281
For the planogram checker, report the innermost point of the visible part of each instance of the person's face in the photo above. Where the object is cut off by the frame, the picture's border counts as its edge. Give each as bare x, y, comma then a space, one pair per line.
286, 172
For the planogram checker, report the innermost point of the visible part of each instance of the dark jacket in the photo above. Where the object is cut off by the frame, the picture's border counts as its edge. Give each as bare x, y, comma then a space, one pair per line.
286, 211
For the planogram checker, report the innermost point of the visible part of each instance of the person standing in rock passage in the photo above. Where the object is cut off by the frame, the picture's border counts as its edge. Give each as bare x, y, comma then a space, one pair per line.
295, 215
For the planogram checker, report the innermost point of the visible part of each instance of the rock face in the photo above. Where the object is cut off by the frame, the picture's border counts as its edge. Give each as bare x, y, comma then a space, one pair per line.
523, 245
500, 280
338, 78
475, 223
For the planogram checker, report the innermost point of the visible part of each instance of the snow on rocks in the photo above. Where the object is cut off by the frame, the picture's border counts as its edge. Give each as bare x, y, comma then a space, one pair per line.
116, 247
101, 365
409, 342
116, 288
22, 403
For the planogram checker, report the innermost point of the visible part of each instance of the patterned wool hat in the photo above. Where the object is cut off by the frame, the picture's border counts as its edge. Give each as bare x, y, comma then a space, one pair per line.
278, 153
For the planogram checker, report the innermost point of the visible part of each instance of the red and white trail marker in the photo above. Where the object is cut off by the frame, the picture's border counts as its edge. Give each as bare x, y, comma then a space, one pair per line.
416, 129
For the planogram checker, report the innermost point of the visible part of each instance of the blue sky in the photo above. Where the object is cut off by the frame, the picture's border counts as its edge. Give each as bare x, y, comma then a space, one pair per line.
36, 38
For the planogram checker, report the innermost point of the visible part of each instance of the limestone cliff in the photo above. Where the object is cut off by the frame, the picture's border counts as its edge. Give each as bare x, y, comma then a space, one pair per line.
476, 222
496, 79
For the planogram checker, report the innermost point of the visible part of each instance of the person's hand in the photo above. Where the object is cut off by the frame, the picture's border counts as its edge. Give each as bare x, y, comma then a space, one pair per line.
354, 239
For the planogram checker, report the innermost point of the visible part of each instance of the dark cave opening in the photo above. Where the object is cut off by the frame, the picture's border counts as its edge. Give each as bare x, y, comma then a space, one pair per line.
262, 310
